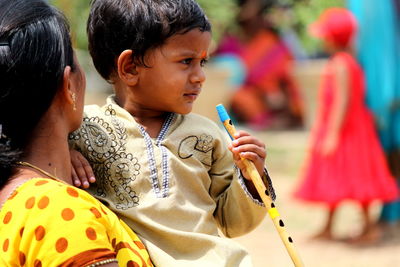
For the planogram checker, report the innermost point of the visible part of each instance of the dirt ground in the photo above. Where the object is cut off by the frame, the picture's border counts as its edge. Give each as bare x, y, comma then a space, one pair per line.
286, 151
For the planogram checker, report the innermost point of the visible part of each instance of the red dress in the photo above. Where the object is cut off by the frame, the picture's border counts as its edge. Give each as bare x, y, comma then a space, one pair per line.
357, 169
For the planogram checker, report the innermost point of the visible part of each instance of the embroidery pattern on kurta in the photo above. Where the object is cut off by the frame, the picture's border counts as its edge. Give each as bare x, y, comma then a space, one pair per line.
106, 147
163, 191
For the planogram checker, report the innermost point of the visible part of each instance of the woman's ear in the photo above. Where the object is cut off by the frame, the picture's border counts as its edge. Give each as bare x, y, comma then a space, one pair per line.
68, 91
127, 71
66, 85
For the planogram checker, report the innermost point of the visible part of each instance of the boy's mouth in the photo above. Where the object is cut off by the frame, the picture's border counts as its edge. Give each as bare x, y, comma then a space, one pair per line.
192, 95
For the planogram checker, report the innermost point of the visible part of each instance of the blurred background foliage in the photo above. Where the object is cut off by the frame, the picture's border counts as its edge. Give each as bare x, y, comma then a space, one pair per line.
295, 14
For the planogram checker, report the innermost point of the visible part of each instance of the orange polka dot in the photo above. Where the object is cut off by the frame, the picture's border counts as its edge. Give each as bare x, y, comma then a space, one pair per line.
139, 244
6, 244
43, 202
96, 212
30, 202
61, 245
91, 233
13, 195
132, 264
39, 232
7, 218
67, 214
37, 263
22, 258
21, 231
41, 182
103, 210
72, 192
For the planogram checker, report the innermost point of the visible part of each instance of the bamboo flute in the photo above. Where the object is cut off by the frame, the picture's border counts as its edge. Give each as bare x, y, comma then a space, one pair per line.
263, 192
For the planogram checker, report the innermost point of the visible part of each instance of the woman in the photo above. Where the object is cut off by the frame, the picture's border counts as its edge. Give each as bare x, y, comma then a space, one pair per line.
43, 220
269, 96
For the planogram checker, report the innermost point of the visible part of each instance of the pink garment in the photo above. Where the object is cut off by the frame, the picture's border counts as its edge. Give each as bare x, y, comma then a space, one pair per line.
357, 169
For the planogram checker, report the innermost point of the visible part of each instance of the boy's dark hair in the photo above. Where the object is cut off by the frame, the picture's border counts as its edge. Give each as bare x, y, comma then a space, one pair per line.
116, 25
35, 48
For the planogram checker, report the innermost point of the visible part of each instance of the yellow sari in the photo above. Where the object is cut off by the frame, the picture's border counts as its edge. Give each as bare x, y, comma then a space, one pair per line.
49, 223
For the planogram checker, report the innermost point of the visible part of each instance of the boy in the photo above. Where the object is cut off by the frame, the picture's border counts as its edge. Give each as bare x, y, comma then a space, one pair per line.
167, 173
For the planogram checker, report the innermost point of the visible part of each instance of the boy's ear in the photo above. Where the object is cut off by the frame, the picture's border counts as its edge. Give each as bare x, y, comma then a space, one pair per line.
127, 68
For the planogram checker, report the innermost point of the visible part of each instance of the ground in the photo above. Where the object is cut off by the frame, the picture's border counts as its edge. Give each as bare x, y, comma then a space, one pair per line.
286, 152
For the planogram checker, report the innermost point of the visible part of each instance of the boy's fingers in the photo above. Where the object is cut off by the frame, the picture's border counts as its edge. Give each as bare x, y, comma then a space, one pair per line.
241, 133
251, 148
75, 178
80, 172
250, 156
88, 170
244, 140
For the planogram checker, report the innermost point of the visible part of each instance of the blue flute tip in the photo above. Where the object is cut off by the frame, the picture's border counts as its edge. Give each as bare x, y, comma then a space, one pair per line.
223, 115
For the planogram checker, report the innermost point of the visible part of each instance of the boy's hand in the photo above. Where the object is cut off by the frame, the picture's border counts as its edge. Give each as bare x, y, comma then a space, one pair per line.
82, 173
248, 147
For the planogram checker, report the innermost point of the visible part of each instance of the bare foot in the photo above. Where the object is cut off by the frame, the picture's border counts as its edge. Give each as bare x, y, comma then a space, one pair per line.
324, 235
368, 237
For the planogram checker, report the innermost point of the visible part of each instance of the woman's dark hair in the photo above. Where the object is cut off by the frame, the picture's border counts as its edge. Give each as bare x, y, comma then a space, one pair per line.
35, 48
116, 25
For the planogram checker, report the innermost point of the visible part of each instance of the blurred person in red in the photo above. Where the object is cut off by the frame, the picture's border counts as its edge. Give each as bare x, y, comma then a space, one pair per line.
346, 161
268, 97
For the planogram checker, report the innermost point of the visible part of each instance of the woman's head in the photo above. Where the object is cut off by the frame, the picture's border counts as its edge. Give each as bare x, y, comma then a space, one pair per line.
336, 26
138, 25
35, 50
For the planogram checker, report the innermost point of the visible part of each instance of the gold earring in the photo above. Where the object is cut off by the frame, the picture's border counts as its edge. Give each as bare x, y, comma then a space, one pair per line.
73, 95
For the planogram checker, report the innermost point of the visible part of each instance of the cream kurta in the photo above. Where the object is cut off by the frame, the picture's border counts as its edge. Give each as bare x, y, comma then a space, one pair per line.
175, 191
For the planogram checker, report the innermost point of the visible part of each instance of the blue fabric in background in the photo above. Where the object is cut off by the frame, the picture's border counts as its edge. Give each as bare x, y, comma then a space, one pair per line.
378, 51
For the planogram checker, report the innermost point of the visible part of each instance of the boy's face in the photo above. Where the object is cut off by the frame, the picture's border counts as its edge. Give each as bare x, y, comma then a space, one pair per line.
175, 75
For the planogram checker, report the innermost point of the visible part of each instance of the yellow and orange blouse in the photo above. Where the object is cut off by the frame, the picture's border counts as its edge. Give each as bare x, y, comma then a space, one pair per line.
49, 223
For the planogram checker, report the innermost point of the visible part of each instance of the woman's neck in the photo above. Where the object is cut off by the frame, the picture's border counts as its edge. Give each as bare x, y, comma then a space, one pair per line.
50, 155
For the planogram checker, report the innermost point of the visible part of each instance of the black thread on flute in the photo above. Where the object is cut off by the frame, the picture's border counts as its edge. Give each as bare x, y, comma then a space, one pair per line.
230, 122
281, 224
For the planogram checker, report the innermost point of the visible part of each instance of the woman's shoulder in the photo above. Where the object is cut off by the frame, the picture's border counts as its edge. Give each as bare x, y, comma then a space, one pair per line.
43, 192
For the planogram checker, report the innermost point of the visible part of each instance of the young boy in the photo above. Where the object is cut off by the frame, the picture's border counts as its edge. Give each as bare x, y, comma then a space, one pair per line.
167, 173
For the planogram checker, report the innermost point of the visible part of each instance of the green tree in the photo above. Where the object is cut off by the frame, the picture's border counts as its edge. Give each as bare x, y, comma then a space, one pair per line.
77, 12
220, 12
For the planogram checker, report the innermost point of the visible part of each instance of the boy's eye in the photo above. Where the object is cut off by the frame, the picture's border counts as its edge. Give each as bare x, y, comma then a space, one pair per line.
203, 62
187, 61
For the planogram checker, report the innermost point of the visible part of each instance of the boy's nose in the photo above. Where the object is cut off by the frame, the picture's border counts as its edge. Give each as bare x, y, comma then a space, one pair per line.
198, 75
